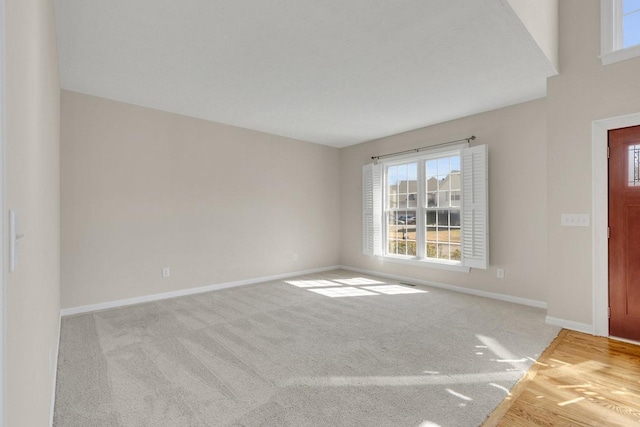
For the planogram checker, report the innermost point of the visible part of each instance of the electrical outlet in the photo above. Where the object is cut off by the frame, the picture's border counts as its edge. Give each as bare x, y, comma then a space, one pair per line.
166, 272
295, 257
501, 273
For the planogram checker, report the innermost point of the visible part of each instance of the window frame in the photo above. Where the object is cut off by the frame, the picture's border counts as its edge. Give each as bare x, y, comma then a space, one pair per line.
474, 194
421, 208
611, 50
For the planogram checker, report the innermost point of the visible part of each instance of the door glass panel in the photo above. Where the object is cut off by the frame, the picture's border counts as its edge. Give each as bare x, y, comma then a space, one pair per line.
634, 165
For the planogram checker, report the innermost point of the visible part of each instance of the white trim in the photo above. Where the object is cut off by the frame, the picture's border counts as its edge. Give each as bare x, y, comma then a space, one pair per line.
476, 292
620, 55
570, 324
185, 292
625, 340
599, 209
607, 27
3, 223
430, 263
55, 374
611, 50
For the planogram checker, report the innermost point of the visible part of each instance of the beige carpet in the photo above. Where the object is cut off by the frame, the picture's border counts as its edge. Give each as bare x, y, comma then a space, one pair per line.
332, 349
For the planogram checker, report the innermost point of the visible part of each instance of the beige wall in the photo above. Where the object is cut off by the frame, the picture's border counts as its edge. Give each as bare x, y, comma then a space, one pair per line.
144, 189
541, 19
584, 91
516, 138
32, 190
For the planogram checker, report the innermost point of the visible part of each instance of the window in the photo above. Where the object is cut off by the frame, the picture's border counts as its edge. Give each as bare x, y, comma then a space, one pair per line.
429, 209
620, 30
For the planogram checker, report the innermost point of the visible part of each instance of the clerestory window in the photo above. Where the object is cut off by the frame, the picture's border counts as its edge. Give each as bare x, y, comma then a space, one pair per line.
620, 26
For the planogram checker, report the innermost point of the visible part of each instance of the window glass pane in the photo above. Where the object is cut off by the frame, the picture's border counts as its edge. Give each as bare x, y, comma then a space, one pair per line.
443, 217
432, 199
432, 167
432, 183
442, 176
443, 166
401, 232
454, 235
431, 218
455, 164
443, 250
455, 198
455, 181
456, 253
443, 182
454, 217
403, 173
443, 199
431, 250
413, 172
443, 234
402, 200
392, 188
402, 192
393, 199
630, 6
407, 218
413, 200
394, 233
631, 29
392, 174
402, 186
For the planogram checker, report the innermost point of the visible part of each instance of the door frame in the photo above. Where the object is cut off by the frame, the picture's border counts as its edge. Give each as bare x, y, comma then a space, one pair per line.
3, 220
600, 212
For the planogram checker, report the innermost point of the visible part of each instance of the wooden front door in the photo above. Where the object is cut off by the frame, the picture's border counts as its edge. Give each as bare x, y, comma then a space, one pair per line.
624, 233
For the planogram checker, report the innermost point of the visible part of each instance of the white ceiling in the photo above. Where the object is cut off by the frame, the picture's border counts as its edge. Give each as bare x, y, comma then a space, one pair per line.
334, 72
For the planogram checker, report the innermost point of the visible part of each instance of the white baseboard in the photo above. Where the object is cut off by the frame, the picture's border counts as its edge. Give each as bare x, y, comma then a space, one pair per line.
55, 373
476, 292
185, 292
628, 341
570, 324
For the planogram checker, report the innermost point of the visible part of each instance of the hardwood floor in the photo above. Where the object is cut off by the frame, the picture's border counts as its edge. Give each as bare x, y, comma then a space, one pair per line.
580, 380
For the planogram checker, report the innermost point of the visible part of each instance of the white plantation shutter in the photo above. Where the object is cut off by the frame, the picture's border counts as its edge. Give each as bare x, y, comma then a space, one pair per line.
371, 209
475, 207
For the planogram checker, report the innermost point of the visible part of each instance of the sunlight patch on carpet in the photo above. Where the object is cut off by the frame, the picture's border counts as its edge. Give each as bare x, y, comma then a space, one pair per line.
312, 283
343, 292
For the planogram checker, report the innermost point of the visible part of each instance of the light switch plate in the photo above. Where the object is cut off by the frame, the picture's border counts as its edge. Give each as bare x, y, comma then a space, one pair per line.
574, 220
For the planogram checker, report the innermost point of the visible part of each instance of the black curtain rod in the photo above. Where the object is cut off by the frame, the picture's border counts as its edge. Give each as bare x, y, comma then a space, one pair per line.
415, 150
